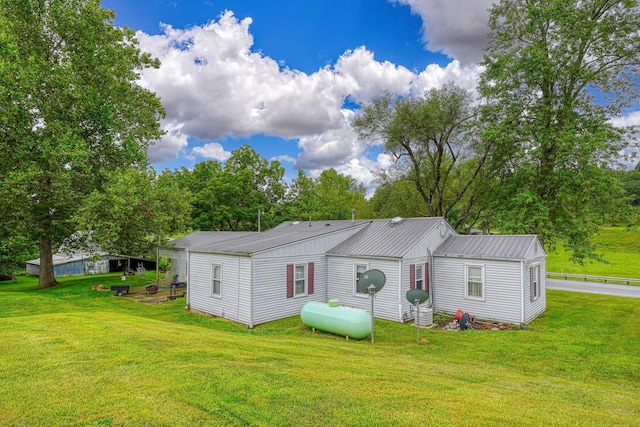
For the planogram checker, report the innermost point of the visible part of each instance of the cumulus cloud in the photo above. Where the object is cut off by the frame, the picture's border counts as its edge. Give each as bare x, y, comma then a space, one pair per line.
457, 28
214, 86
211, 150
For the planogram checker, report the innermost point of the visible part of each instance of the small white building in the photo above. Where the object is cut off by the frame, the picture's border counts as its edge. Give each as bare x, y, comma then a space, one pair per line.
253, 278
491, 276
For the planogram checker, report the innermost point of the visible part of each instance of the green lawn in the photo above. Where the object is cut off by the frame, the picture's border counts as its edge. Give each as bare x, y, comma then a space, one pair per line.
620, 247
75, 356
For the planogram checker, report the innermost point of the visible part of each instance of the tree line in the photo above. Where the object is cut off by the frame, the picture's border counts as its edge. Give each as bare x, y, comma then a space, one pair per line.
536, 151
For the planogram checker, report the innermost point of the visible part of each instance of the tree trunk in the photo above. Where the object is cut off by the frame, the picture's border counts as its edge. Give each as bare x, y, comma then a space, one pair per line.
46, 278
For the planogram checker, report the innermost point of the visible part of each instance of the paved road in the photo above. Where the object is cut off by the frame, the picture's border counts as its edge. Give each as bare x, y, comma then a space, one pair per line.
594, 288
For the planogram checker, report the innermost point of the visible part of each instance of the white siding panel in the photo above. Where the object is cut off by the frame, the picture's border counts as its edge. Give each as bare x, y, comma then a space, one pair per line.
387, 303
233, 302
533, 309
270, 300
430, 242
503, 289
408, 309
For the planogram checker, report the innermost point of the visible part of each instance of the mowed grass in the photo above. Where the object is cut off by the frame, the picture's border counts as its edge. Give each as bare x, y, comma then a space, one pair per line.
75, 356
620, 247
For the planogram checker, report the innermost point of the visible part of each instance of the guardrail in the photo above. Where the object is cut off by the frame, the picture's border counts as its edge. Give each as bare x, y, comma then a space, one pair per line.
586, 278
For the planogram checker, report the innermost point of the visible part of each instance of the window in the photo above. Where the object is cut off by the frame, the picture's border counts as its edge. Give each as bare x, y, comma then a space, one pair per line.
419, 276
475, 282
534, 281
359, 270
300, 281
216, 279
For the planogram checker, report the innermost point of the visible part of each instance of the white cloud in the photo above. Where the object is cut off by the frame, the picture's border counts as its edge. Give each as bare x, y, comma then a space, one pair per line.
173, 142
211, 150
457, 28
214, 86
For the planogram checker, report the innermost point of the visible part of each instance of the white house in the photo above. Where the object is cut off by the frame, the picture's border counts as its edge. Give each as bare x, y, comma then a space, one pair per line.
253, 278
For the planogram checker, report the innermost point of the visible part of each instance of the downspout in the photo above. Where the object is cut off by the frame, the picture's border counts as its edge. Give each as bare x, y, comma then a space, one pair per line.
400, 290
431, 304
522, 292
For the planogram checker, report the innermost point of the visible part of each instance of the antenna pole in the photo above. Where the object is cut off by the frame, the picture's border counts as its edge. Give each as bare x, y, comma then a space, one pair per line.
417, 304
372, 294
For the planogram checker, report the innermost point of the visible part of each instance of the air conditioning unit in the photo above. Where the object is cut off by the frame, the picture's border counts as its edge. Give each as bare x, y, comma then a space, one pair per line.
426, 317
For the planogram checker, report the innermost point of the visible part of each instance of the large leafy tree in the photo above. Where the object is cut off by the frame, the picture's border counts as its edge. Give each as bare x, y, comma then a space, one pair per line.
433, 140
556, 72
71, 112
229, 197
330, 196
134, 210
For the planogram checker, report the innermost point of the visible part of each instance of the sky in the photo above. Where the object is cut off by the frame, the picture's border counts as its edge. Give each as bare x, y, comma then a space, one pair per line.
288, 76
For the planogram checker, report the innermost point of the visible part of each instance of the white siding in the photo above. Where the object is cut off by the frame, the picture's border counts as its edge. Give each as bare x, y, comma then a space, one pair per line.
503, 288
533, 309
430, 243
270, 300
234, 300
387, 304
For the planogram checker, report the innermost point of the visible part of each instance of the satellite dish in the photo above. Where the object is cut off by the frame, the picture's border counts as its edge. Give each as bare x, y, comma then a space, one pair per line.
371, 277
417, 294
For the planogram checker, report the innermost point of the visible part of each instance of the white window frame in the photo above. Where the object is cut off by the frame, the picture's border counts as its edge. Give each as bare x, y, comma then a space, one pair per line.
304, 279
536, 282
419, 277
356, 291
483, 282
214, 279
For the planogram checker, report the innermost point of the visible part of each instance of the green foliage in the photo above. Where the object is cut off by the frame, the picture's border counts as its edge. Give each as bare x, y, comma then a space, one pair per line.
330, 196
76, 356
71, 110
556, 72
229, 197
133, 210
434, 143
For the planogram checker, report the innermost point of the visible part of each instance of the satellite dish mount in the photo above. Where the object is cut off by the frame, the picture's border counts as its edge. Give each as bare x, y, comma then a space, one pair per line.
370, 283
417, 297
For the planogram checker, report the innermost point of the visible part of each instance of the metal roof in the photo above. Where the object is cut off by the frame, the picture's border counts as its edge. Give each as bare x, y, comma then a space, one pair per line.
387, 238
201, 238
250, 242
62, 258
513, 247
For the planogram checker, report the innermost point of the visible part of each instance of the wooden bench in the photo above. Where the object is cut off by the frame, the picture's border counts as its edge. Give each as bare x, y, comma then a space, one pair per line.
120, 289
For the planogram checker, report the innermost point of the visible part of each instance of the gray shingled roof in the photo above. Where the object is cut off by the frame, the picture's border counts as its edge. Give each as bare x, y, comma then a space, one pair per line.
251, 242
487, 246
383, 238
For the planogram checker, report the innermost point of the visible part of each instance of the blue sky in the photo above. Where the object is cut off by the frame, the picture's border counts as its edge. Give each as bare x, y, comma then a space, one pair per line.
288, 76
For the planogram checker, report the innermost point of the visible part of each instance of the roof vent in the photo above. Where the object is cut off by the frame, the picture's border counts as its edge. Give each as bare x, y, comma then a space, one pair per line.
295, 223
397, 220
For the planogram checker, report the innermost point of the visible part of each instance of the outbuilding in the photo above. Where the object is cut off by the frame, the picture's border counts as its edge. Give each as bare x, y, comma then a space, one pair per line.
495, 277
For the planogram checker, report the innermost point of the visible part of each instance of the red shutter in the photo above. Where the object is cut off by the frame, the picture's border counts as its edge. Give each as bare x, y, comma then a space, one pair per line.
539, 282
531, 284
310, 274
289, 280
426, 276
412, 276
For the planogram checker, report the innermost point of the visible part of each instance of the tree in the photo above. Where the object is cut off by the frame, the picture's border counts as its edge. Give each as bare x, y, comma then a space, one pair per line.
556, 72
229, 197
133, 210
433, 142
72, 112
